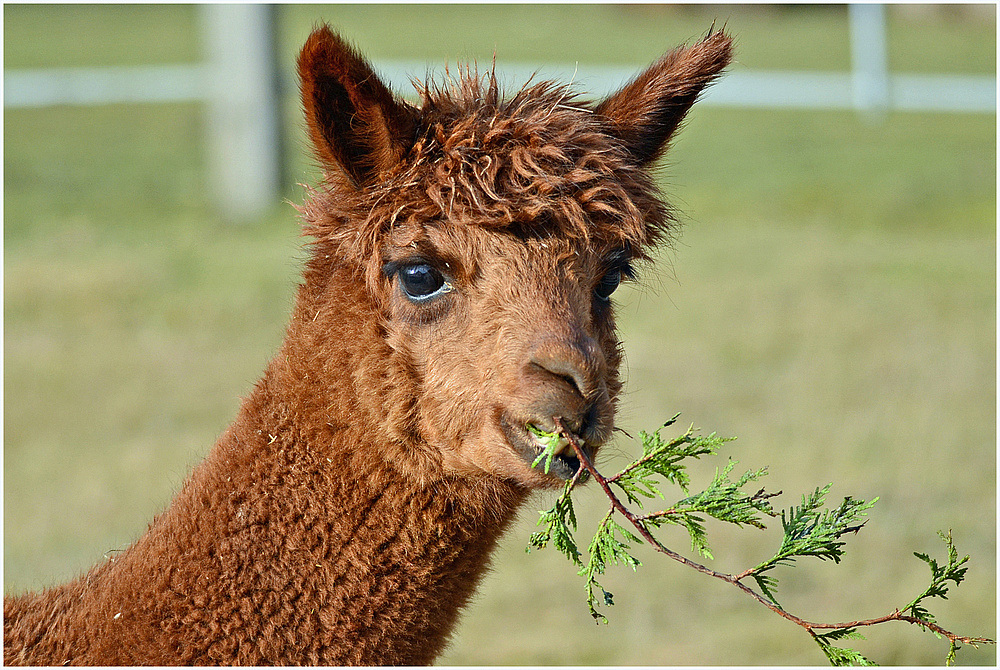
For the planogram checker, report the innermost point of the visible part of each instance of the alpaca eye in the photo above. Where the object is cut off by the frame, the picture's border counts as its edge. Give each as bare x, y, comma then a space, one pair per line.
609, 282
422, 281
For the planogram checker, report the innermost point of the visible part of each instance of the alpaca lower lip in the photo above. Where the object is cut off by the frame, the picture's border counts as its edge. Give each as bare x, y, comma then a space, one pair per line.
563, 465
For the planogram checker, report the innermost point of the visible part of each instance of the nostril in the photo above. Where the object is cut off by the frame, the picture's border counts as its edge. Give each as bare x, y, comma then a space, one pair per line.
579, 363
575, 381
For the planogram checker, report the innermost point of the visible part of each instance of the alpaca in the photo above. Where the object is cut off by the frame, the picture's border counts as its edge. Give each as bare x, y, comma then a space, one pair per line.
462, 258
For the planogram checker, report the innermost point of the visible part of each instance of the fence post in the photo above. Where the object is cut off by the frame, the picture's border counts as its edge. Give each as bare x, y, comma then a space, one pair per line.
869, 60
243, 109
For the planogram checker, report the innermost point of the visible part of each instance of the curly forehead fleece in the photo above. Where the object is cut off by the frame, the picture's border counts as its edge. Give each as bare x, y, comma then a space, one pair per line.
539, 162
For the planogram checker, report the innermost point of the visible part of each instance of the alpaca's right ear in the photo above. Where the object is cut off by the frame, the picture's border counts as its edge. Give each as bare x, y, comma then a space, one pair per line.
355, 122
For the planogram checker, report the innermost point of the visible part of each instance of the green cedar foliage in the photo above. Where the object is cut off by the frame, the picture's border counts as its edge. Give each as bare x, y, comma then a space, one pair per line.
810, 529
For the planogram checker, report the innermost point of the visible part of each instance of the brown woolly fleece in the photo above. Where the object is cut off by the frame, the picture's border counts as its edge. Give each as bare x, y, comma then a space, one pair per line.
462, 258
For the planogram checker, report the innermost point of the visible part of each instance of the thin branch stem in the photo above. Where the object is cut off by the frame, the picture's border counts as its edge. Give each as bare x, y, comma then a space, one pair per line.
617, 505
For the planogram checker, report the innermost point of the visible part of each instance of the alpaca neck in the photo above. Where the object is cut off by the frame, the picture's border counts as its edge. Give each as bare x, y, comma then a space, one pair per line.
387, 559
319, 551
297, 540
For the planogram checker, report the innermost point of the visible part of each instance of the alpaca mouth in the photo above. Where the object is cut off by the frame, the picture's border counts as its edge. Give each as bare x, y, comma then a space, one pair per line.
552, 448
531, 442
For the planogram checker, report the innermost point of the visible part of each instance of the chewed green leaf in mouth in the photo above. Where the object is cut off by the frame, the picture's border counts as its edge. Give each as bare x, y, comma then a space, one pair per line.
551, 445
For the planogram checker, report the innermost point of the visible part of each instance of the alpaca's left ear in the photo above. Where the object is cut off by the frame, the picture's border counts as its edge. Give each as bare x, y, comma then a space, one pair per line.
355, 122
644, 114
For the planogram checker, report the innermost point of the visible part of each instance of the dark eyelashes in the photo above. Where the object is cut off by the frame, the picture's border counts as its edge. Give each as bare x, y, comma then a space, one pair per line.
620, 260
627, 271
392, 267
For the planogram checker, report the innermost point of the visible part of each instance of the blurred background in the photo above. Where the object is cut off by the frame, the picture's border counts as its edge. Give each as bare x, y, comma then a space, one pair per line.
831, 301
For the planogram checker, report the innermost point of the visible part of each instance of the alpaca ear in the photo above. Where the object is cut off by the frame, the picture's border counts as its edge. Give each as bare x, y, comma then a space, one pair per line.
644, 114
355, 122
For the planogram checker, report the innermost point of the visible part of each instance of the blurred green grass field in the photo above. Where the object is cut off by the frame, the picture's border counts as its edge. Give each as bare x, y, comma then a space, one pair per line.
832, 302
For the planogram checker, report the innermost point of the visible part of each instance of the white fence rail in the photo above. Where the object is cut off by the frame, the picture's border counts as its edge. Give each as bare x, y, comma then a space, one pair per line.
102, 86
778, 89
766, 89
240, 85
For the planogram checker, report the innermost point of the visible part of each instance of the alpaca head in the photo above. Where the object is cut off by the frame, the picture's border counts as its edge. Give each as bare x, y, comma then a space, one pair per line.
485, 235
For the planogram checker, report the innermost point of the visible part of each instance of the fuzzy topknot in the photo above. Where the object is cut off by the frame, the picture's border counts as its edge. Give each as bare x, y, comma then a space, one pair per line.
537, 163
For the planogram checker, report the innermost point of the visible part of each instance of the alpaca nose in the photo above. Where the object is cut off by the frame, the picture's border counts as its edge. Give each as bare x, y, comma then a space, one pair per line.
573, 373
578, 360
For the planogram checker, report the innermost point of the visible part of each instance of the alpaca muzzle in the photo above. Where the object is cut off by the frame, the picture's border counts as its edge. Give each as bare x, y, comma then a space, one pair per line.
570, 378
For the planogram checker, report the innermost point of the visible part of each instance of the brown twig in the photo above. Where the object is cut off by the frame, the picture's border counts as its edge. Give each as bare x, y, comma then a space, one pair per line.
586, 464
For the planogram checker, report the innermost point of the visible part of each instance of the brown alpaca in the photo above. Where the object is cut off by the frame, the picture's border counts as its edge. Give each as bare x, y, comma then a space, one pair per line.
462, 258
